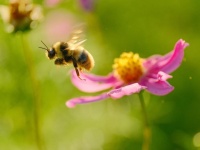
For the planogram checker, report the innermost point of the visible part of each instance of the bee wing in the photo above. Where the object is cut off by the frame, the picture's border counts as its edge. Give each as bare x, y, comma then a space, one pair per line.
77, 36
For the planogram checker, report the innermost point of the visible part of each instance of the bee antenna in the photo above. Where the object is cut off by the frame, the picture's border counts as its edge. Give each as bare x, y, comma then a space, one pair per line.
45, 46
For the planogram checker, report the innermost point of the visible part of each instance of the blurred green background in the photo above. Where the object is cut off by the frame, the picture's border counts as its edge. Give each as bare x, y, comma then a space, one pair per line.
145, 27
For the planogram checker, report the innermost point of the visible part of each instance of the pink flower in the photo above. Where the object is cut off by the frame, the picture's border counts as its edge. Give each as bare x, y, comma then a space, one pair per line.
52, 3
58, 25
130, 75
87, 5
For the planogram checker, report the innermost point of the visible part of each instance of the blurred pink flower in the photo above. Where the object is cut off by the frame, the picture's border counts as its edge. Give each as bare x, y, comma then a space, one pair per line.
130, 75
51, 3
58, 26
87, 5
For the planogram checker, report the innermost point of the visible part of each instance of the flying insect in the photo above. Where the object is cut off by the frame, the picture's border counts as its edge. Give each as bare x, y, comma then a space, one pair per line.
71, 52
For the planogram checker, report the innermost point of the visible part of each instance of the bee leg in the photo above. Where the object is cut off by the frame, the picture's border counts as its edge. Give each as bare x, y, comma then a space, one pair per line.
59, 61
80, 69
76, 68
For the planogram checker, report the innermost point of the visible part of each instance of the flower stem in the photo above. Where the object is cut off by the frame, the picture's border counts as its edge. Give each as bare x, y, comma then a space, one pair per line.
147, 130
34, 84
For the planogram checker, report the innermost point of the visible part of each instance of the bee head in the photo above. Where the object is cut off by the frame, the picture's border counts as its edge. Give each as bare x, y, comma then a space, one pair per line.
50, 52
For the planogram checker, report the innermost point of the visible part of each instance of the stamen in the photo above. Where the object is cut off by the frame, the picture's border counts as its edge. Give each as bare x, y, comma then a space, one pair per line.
128, 67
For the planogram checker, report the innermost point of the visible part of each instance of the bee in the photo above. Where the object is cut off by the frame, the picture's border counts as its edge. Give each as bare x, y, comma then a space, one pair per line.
71, 52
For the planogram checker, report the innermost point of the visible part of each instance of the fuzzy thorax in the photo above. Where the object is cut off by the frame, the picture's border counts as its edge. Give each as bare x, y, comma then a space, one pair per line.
128, 67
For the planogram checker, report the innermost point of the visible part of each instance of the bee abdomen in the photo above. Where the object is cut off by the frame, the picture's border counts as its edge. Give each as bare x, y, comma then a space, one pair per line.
86, 60
83, 57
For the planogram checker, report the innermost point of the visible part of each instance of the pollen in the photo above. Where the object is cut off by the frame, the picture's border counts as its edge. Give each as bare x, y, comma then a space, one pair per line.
128, 67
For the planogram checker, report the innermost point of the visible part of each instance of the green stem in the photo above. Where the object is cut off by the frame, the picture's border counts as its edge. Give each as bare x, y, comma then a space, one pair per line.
34, 84
147, 130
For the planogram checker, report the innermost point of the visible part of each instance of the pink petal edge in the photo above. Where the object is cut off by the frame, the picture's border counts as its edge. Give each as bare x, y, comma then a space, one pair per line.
103, 79
83, 100
163, 76
169, 62
176, 58
159, 85
126, 90
93, 83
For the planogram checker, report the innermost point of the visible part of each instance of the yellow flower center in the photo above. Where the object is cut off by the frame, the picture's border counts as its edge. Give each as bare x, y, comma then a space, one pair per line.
128, 67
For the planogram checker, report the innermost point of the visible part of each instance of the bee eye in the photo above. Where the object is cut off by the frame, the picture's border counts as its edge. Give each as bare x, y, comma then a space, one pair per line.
51, 53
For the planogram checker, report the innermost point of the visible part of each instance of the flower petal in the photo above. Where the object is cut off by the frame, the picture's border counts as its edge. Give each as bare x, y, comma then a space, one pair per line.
82, 100
163, 76
93, 83
96, 78
158, 85
126, 90
169, 62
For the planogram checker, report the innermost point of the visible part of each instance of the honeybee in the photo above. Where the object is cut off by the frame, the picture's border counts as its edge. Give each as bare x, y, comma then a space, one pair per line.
71, 52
